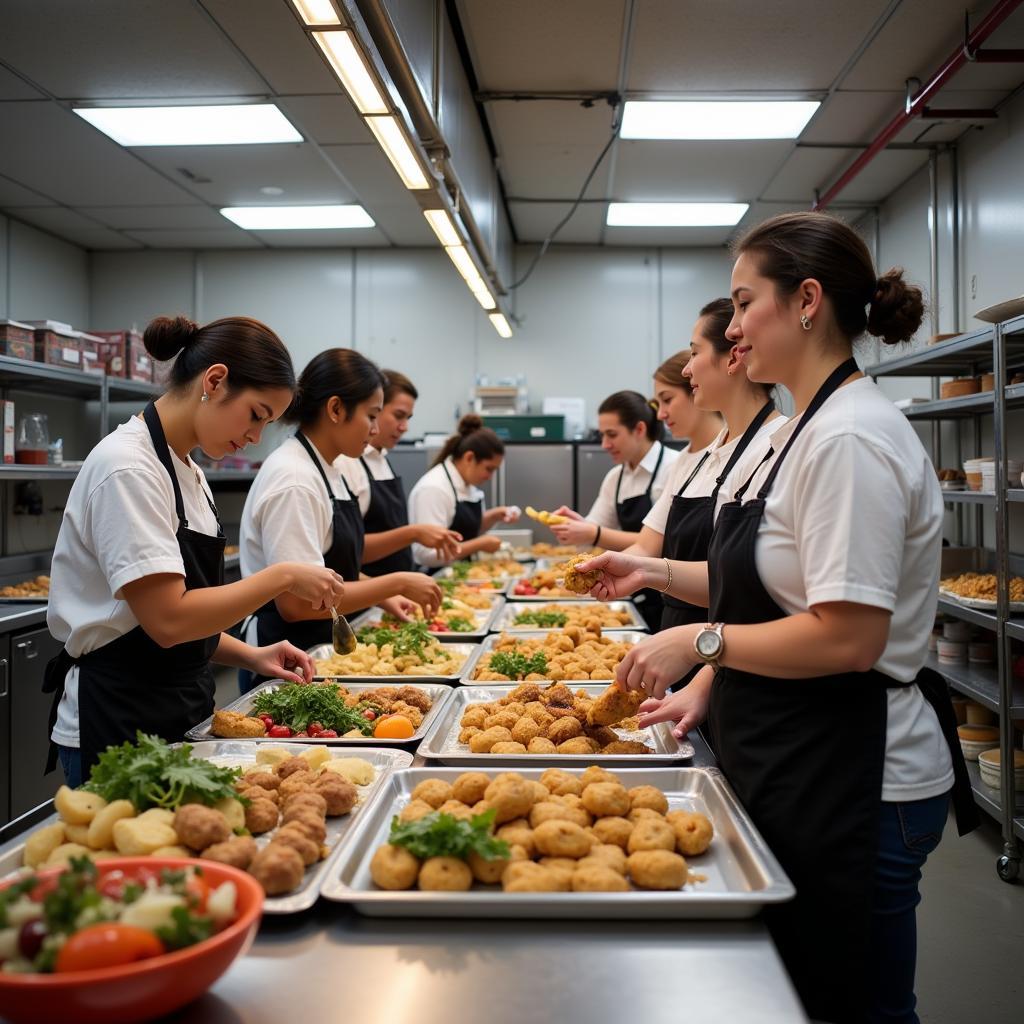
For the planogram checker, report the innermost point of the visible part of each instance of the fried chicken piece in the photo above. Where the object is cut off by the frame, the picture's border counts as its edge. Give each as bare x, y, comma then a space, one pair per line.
291, 766
233, 725
557, 695
576, 581
526, 693
417, 698
614, 705
627, 747
602, 735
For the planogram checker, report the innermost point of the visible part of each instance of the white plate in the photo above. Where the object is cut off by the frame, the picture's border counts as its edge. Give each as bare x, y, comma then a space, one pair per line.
1001, 311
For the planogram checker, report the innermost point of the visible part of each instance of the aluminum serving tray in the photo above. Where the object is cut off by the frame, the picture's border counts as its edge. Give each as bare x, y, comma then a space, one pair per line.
242, 754
618, 635
442, 740
505, 622
742, 875
505, 581
484, 622
471, 652
439, 693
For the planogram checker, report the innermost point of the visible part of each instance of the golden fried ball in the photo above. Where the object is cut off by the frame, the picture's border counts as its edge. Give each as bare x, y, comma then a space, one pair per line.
693, 831
278, 868
238, 852
468, 732
297, 782
541, 745
445, 874
414, 810
552, 810
648, 796
639, 813
609, 855
307, 798
651, 834
563, 729
606, 799
578, 745
540, 791
394, 868
488, 872
525, 730
596, 877
482, 742
264, 779
433, 791
293, 836
526, 876
473, 716
517, 833
312, 824
559, 838
511, 798
509, 747
291, 766
597, 774
259, 793
199, 826
340, 794
260, 816
470, 787
560, 782
456, 809
615, 831
657, 869
565, 867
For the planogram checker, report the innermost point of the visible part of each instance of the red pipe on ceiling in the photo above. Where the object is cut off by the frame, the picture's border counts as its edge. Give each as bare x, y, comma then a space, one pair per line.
1000, 11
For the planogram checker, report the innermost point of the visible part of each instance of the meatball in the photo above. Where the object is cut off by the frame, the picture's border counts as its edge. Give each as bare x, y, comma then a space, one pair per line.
597, 774
199, 826
312, 824
259, 793
265, 779
293, 836
648, 796
609, 855
595, 877
563, 729
445, 874
511, 798
559, 838
526, 876
309, 799
414, 810
517, 833
613, 831
470, 787
564, 867
394, 867
278, 868
297, 782
238, 852
340, 794
651, 834
541, 745
560, 782
606, 799
291, 766
693, 831
482, 742
260, 816
657, 869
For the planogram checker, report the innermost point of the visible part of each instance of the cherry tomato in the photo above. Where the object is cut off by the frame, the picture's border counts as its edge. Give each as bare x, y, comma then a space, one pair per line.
314, 729
301, 733
107, 945
267, 721
328, 734
279, 731
43, 889
198, 892
394, 727
369, 714
30, 937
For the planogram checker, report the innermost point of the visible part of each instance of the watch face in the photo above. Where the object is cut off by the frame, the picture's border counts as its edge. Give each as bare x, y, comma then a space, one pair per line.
708, 643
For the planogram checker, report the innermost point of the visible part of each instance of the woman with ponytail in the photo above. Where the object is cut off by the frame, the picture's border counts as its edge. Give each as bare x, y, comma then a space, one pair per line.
137, 591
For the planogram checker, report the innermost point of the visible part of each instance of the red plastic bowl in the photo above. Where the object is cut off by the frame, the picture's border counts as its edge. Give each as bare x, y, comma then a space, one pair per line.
143, 990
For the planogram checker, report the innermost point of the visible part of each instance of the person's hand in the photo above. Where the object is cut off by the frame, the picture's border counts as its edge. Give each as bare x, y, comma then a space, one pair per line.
621, 574
321, 587
576, 531
422, 590
687, 708
569, 513
654, 664
398, 607
510, 513
489, 543
282, 661
444, 541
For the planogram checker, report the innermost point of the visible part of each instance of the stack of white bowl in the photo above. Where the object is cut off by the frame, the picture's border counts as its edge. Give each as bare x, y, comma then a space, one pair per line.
988, 765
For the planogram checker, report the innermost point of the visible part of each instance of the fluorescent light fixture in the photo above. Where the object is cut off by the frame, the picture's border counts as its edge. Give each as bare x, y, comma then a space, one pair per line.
340, 50
675, 215
442, 226
716, 119
316, 12
482, 294
297, 218
233, 124
397, 149
500, 325
459, 255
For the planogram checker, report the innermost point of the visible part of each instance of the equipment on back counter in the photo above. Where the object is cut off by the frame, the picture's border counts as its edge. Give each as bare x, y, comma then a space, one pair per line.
504, 397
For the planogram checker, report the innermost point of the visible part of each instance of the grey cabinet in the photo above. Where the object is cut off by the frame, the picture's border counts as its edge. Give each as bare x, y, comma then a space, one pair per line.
5, 730
540, 475
592, 465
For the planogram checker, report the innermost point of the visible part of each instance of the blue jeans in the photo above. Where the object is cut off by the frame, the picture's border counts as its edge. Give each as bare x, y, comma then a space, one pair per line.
908, 832
71, 762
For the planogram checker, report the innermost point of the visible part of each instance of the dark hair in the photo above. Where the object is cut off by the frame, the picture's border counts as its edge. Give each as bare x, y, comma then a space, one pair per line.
632, 408
254, 355
671, 371
471, 436
396, 384
793, 247
339, 373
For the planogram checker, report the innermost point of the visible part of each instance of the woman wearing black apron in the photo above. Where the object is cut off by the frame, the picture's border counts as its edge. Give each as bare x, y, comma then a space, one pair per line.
381, 496
822, 590
300, 508
631, 433
137, 583
449, 495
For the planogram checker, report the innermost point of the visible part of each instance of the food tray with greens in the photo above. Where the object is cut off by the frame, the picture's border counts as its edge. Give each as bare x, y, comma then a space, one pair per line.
455, 620
517, 617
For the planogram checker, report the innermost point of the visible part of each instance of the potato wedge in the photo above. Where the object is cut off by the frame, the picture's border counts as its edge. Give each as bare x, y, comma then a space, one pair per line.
232, 810
101, 828
76, 806
139, 837
42, 843
172, 851
159, 814
272, 756
64, 853
77, 834
315, 757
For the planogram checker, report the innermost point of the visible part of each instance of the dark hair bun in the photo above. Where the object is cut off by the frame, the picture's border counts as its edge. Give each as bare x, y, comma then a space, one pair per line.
166, 336
896, 309
469, 423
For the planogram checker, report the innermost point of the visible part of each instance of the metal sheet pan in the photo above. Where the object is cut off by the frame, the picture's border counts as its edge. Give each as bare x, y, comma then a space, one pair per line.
242, 754
505, 621
471, 652
542, 565
439, 693
503, 581
442, 740
484, 618
741, 873
488, 645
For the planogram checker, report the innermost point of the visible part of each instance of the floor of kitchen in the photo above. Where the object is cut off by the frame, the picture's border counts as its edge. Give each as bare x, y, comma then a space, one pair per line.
970, 925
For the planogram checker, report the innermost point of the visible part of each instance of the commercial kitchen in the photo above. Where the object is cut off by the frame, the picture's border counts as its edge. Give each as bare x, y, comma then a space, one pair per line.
623, 399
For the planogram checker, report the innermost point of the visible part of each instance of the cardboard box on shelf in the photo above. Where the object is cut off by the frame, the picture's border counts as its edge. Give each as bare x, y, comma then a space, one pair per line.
93, 350
57, 344
17, 340
126, 355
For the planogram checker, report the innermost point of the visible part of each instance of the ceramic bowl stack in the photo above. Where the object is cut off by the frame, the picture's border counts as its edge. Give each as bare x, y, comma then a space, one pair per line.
977, 739
989, 766
988, 473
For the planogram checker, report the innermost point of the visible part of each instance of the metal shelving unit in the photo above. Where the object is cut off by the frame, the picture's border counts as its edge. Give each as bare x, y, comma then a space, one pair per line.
990, 349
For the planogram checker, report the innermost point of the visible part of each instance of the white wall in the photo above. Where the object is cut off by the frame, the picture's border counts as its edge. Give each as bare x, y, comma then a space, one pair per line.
43, 277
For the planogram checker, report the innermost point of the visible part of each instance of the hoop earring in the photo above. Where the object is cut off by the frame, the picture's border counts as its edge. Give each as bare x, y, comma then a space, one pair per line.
805, 322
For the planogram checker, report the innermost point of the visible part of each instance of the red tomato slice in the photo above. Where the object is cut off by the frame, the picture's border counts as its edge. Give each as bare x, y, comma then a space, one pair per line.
107, 945
198, 891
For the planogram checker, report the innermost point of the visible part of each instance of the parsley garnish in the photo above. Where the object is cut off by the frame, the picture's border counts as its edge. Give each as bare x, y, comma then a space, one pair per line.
544, 619
297, 704
187, 929
443, 835
518, 666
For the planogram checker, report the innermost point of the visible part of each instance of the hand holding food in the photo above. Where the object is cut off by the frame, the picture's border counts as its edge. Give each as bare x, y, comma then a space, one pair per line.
575, 579
445, 542
612, 706
575, 531
282, 661
687, 709
619, 575
421, 589
547, 518
400, 609
654, 664
323, 588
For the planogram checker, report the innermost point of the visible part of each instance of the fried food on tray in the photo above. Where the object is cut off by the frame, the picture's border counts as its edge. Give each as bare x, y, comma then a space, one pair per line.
199, 826
406, 654
394, 867
237, 852
576, 581
39, 587
233, 725
545, 550
591, 616
614, 705
981, 586
693, 830
278, 868
657, 869
570, 653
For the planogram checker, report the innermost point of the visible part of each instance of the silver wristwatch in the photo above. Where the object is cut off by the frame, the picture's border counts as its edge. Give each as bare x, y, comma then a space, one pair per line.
709, 643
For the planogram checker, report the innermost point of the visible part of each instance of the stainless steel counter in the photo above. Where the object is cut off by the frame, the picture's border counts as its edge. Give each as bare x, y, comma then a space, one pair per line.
20, 615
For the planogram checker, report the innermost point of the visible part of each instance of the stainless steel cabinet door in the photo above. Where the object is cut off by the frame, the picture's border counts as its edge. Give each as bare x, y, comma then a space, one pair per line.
592, 465
540, 475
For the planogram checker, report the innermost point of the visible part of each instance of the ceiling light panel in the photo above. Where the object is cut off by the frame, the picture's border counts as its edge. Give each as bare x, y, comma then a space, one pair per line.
233, 124
675, 215
348, 64
316, 12
716, 119
298, 218
442, 226
500, 325
397, 149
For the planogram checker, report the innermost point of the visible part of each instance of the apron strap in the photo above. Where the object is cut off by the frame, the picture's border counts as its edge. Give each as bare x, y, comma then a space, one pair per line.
748, 435
696, 469
451, 485
650, 483
163, 453
304, 441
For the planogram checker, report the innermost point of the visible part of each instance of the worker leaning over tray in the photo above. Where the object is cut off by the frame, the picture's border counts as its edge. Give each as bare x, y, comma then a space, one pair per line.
137, 591
380, 494
300, 508
822, 579
449, 494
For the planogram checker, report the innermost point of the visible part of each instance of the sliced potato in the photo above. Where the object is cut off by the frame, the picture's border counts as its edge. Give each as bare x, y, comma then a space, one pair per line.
95, 855
101, 828
172, 851
152, 910
357, 770
77, 834
76, 806
316, 756
232, 810
64, 853
139, 837
159, 814
42, 843
272, 756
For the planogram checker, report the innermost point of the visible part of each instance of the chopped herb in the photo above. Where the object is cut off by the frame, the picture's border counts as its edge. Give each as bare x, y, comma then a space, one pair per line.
186, 930
443, 835
298, 704
543, 619
516, 665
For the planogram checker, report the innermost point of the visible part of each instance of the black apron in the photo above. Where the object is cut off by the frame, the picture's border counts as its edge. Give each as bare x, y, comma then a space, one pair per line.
469, 515
388, 511
806, 759
691, 521
133, 683
631, 513
343, 556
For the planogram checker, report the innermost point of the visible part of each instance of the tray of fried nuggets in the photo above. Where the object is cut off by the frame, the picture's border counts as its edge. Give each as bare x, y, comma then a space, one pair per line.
555, 723
670, 843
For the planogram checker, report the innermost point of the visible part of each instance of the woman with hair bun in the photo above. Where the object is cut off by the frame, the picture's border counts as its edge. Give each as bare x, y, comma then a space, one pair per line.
449, 494
821, 580
137, 591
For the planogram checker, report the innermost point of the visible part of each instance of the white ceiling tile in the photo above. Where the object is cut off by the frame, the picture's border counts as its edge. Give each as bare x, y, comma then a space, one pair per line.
12, 87
883, 175
56, 219
537, 44
535, 221
192, 238
553, 172
142, 49
805, 171
13, 194
852, 116
550, 122
348, 239
100, 239
403, 222
667, 236
151, 217
329, 120
368, 171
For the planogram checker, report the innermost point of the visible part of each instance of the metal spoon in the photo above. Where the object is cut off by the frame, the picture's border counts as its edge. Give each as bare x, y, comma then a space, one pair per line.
342, 637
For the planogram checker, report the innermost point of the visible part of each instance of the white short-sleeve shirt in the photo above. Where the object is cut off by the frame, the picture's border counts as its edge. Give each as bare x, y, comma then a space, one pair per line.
431, 501
634, 482
355, 473
119, 526
855, 515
